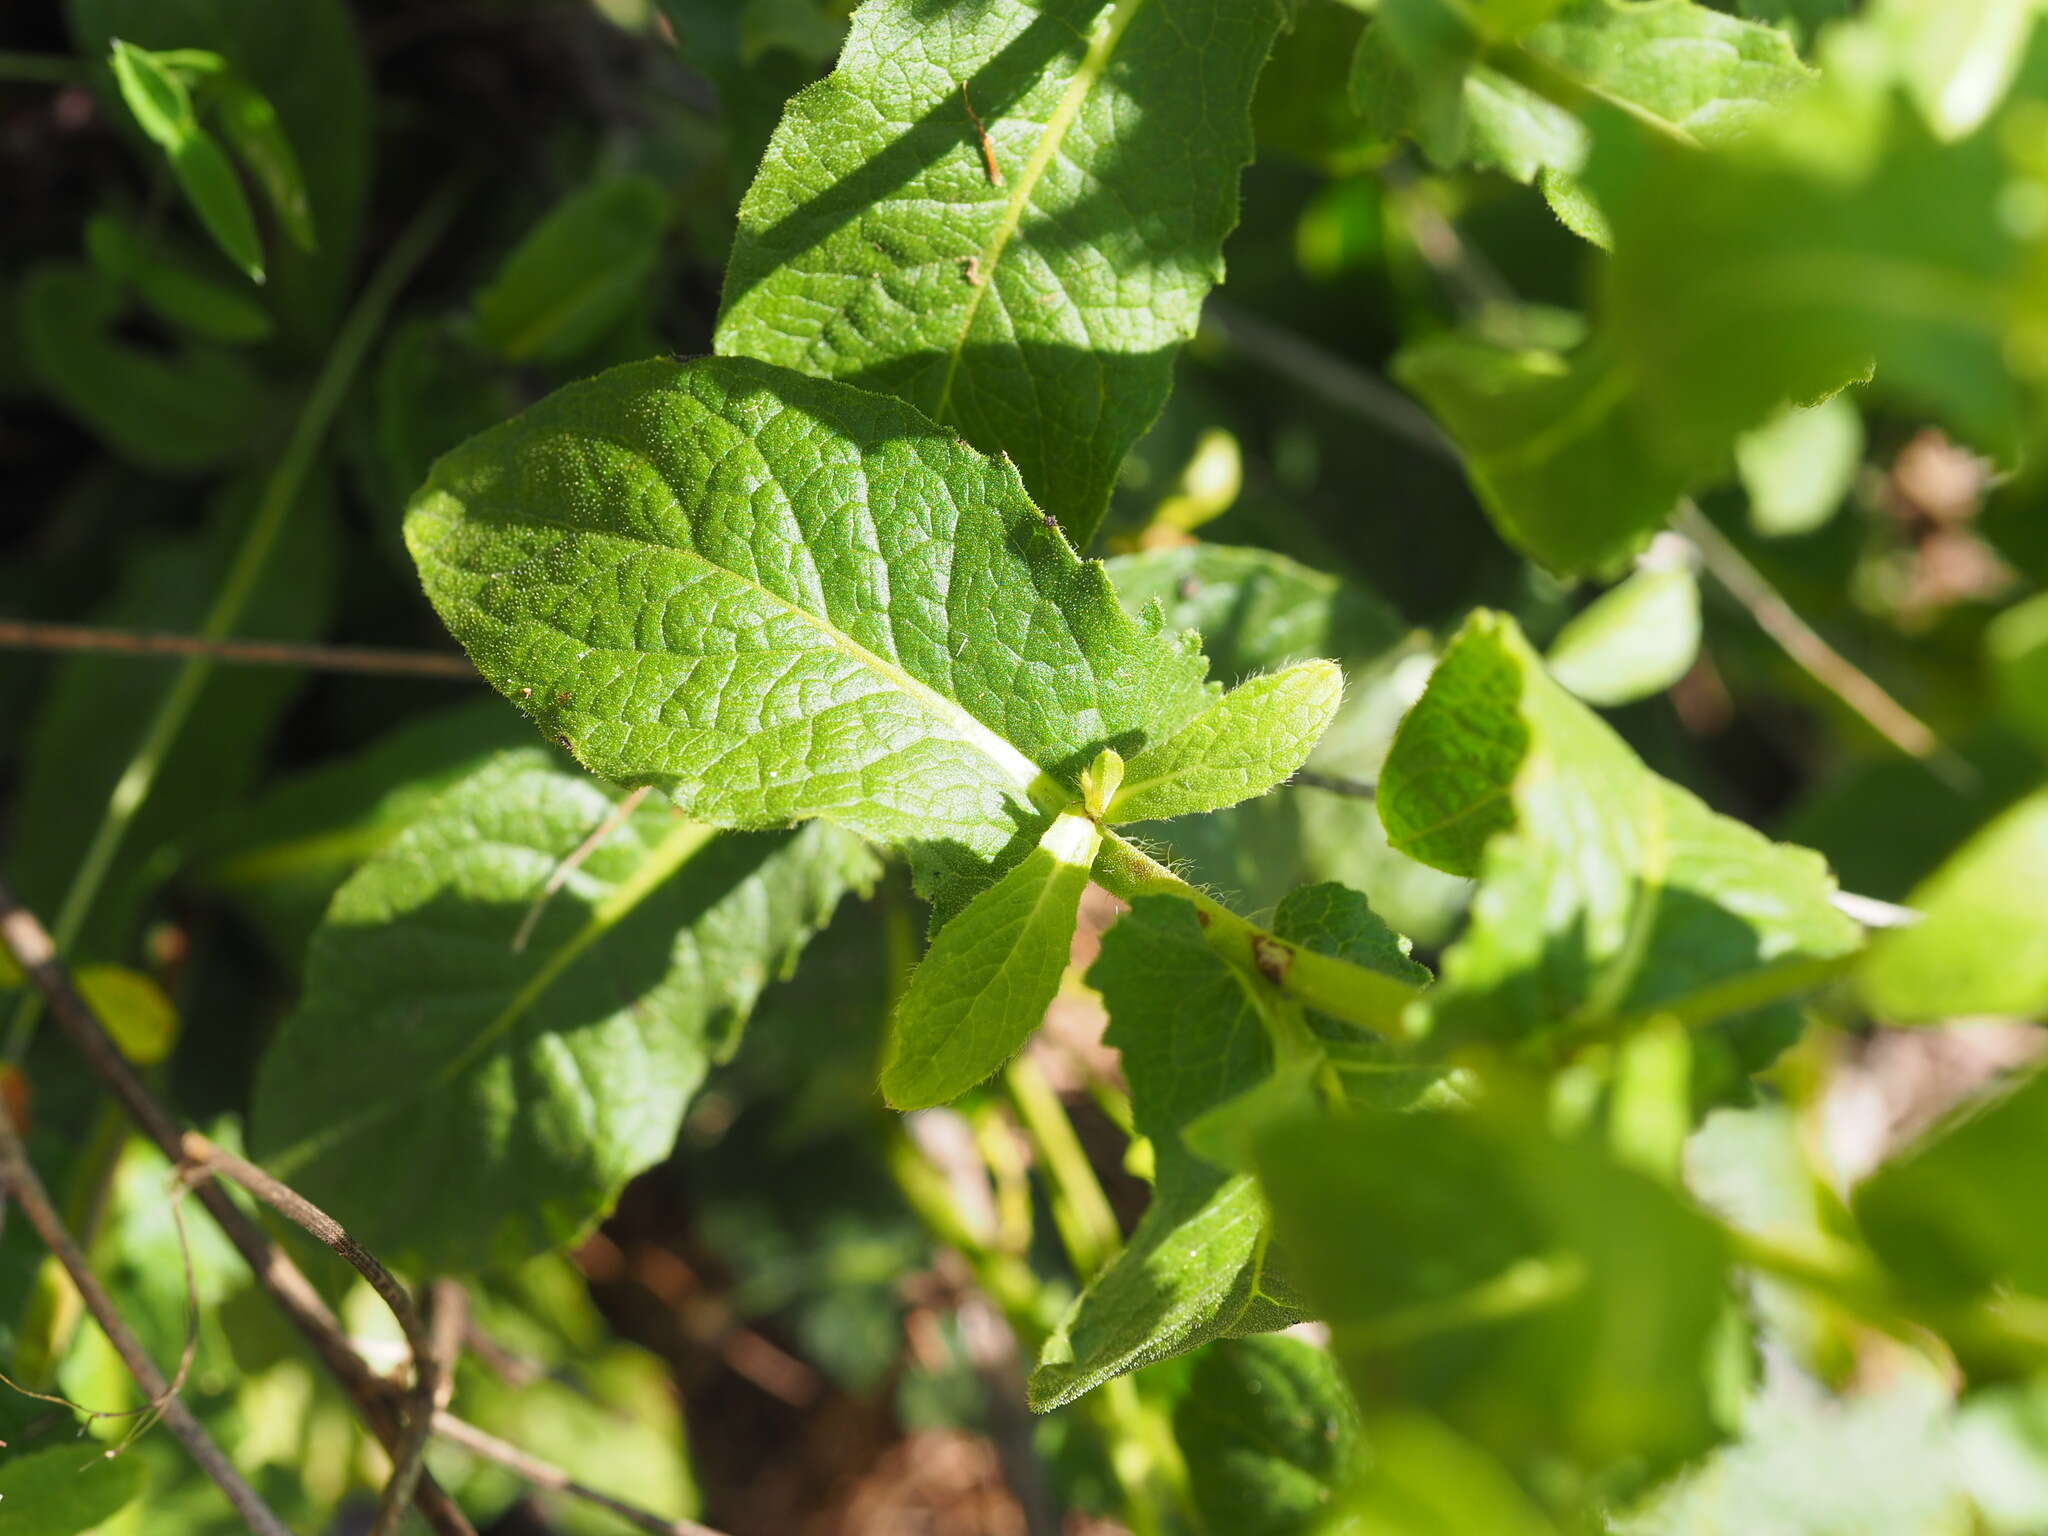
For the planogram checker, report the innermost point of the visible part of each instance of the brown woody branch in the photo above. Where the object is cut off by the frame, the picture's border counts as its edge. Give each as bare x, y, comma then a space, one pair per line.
24, 935
26, 1189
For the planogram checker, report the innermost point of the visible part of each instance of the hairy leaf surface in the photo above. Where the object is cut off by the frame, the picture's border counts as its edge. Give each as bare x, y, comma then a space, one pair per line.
1258, 611
778, 598
1029, 288
1269, 1432
1249, 740
459, 1103
991, 971
1605, 892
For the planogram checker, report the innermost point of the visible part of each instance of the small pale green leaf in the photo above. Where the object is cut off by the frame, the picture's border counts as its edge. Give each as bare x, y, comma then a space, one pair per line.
991, 972
251, 127
134, 1009
307, 60
215, 193
1028, 288
2016, 643
1605, 893
1269, 1432
66, 1490
577, 273
1948, 1216
1476, 1267
1258, 611
1798, 466
1251, 739
154, 95
1193, 1034
1636, 639
1550, 445
172, 284
778, 598
1982, 946
458, 1102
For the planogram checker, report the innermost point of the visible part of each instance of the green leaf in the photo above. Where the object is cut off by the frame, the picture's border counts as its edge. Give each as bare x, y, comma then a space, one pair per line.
1605, 893
434, 388
2016, 643
1031, 295
991, 972
1426, 1481
307, 61
154, 95
185, 412
1701, 74
555, 1071
162, 108
1258, 611
1193, 1034
1982, 946
251, 126
577, 273
215, 193
172, 284
1948, 1216
1634, 640
1477, 1268
67, 1490
1251, 739
778, 598
283, 854
1551, 446
1268, 1432
1841, 239
1798, 466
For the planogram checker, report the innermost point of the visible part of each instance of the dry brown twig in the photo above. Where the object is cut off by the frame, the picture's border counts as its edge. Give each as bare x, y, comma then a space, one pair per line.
440, 1335
26, 1189
24, 935
368, 660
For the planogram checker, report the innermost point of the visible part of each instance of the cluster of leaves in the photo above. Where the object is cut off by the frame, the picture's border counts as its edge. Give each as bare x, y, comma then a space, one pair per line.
815, 604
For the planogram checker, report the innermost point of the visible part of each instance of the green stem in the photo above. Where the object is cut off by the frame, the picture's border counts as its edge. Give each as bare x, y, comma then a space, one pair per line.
42, 69
280, 493
1322, 982
2012, 1328
1081, 1210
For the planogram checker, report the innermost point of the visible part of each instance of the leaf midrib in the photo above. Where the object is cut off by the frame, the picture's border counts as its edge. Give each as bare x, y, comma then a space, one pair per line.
682, 842
1090, 70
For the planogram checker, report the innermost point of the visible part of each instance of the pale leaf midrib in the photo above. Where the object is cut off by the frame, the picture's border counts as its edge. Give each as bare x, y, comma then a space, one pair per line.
682, 843
1094, 62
